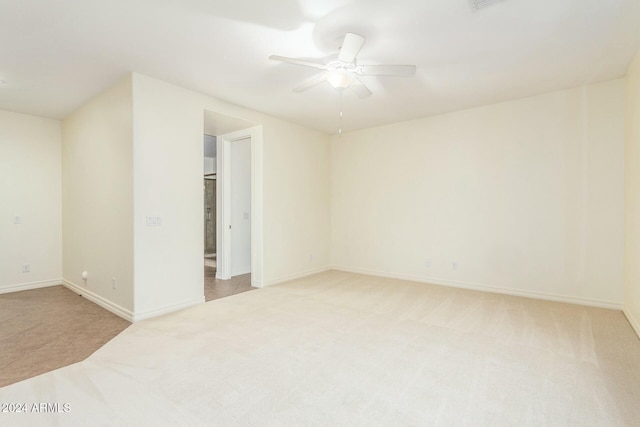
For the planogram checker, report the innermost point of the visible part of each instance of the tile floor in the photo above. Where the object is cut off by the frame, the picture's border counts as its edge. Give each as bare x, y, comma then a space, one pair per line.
48, 328
216, 288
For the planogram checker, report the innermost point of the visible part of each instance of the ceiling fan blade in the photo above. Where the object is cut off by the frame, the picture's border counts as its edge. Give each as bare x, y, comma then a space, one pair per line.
387, 70
350, 47
313, 81
360, 89
303, 62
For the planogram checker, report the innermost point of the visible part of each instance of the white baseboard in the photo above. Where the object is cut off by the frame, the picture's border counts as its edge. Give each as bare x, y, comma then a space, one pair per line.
167, 309
101, 301
125, 313
5, 289
289, 277
486, 288
633, 321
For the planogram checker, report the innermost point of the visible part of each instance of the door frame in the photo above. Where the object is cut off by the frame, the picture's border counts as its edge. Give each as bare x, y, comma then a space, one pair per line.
223, 204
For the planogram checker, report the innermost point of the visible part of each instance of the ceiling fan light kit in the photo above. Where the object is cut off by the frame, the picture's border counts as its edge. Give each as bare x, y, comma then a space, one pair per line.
344, 72
340, 79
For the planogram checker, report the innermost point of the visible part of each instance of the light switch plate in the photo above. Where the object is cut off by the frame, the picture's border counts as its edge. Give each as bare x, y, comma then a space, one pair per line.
154, 221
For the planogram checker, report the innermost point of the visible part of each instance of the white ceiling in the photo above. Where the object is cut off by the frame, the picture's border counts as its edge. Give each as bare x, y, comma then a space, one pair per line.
55, 55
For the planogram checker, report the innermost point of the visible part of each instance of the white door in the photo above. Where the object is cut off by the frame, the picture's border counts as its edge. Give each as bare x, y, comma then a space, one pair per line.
240, 206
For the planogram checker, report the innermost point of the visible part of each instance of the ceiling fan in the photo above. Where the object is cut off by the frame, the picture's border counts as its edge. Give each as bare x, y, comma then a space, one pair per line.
342, 70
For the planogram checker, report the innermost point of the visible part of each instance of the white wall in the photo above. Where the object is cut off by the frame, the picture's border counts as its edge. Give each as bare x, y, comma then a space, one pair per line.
240, 207
97, 191
168, 161
526, 196
632, 197
210, 163
29, 187
297, 200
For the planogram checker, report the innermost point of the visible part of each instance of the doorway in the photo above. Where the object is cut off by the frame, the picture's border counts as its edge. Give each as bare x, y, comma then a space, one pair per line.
231, 228
227, 196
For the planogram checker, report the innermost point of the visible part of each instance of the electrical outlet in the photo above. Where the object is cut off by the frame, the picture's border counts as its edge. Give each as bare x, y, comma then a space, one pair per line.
310, 257
454, 265
17, 219
26, 268
114, 283
427, 263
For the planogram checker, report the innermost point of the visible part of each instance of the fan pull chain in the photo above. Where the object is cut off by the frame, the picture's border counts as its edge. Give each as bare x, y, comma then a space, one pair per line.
340, 114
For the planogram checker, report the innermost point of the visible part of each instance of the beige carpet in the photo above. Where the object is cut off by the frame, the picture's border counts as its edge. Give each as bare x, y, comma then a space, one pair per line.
345, 349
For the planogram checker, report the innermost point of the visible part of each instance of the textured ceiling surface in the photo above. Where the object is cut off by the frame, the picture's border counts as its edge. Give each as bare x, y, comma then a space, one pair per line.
56, 55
